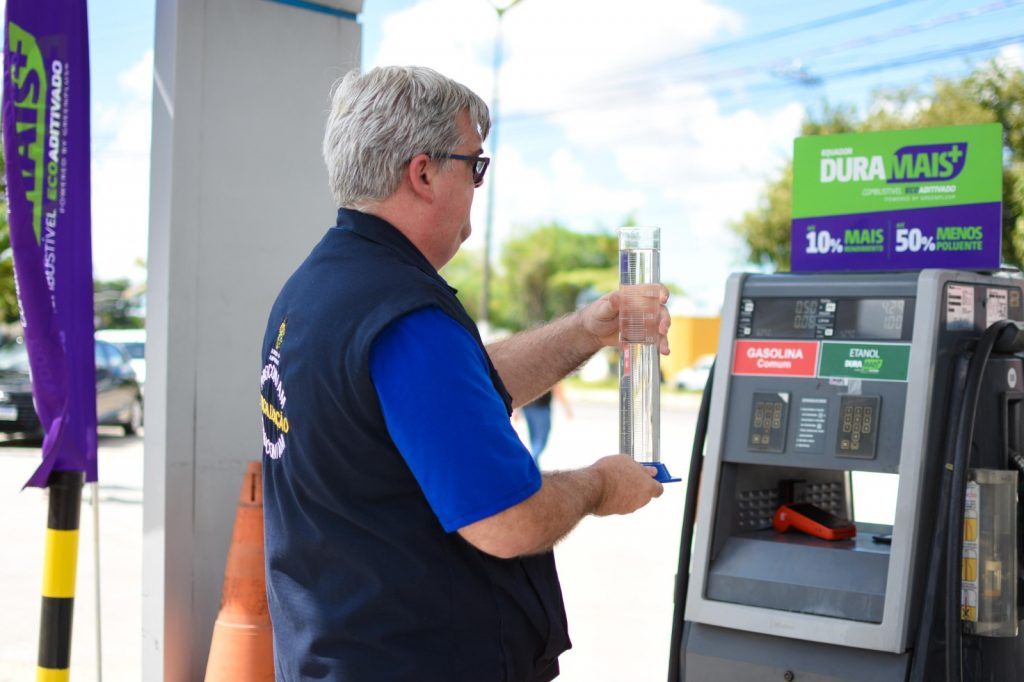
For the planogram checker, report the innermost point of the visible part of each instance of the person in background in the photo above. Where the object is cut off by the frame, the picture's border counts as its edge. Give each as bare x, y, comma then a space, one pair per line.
538, 416
408, 531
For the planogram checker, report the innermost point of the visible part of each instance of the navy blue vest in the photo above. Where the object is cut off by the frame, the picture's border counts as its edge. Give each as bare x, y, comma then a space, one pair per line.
362, 581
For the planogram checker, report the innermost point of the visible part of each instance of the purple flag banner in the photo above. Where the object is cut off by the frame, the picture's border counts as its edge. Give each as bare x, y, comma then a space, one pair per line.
46, 143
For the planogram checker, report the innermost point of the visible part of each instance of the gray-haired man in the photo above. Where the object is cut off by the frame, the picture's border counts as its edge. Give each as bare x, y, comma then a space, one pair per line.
408, 531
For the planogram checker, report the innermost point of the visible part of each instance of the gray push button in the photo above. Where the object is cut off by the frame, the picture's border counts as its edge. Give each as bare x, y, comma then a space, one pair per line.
858, 426
768, 423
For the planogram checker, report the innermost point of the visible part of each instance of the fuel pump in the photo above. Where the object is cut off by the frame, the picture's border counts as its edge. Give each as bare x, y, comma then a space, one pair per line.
853, 508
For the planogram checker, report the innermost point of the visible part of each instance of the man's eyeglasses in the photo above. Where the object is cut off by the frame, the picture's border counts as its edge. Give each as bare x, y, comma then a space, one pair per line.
480, 164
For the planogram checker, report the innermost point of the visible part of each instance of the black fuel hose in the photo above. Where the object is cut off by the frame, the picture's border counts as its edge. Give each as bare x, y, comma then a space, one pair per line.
923, 643
1005, 334
686, 536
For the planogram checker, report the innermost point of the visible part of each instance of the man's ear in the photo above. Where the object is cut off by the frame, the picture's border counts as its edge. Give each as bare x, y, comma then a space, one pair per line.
420, 174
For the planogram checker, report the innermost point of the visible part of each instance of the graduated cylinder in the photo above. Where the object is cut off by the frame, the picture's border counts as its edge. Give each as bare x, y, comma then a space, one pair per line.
639, 374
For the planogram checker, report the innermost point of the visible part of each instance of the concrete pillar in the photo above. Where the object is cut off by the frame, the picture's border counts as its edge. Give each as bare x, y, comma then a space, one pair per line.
239, 196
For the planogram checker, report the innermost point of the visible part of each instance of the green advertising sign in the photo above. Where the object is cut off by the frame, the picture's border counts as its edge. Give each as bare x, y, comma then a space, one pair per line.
898, 200
858, 360
895, 170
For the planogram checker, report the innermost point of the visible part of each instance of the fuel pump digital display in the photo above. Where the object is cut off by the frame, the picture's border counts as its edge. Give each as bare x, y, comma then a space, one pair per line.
793, 318
871, 318
879, 319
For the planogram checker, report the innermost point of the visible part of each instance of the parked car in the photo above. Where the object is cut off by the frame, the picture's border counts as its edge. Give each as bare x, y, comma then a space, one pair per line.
695, 378
118, 395
133, 341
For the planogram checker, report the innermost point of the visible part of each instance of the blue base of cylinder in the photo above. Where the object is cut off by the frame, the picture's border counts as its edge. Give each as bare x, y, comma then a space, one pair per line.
663, 475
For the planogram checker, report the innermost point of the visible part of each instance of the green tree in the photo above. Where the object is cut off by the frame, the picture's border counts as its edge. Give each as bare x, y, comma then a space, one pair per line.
546, 271
540, 276
546, 268
464, 272
993, 92
113, 305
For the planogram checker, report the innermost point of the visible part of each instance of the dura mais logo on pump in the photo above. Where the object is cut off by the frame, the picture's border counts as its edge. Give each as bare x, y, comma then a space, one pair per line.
273, 399
864, 360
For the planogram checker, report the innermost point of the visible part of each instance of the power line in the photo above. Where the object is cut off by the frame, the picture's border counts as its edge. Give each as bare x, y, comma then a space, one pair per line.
907, 30
769, 36
929, 56
628, 96
932, 55
655, 77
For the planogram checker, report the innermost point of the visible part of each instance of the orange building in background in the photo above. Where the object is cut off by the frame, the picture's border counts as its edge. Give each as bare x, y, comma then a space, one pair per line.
690, 337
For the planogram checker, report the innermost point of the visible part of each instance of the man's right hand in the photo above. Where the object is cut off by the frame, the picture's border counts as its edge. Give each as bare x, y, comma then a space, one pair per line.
626, 486
611, 485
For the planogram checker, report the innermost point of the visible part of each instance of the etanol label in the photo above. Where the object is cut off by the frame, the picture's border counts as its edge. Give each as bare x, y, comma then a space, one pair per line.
879, 361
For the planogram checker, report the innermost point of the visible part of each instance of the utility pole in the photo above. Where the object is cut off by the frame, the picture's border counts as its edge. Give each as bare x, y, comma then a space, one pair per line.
485, 289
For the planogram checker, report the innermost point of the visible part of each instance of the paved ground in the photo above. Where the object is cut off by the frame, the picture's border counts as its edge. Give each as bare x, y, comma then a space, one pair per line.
617, 573
22, 529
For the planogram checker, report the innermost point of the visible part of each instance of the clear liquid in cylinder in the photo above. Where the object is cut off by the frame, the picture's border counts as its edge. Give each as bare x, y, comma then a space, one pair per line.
639, 372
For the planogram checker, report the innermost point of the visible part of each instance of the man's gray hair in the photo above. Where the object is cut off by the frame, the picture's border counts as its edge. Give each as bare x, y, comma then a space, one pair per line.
383, 118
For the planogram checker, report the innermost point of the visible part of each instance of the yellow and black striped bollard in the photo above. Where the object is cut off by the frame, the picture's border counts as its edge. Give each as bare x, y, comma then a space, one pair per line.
59, 566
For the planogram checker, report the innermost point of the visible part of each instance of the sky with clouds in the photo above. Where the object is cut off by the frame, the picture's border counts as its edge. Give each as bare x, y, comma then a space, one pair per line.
673, 112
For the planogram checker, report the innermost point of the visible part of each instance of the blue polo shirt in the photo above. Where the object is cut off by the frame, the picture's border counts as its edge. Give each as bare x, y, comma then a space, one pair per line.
449, 424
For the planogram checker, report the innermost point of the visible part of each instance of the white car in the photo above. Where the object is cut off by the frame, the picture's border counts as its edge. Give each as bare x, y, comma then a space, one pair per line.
695, 378
133, 341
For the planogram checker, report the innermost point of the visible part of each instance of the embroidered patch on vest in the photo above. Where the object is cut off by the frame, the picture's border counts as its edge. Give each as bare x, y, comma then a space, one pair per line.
272, 400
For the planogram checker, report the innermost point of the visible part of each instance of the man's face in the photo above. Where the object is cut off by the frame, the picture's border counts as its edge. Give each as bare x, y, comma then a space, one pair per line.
456, 189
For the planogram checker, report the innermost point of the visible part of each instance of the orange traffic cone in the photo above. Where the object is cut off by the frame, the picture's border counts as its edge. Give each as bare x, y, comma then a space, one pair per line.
242, 647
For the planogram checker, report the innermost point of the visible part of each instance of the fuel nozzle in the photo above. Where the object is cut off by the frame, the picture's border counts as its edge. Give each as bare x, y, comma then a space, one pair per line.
1011, 337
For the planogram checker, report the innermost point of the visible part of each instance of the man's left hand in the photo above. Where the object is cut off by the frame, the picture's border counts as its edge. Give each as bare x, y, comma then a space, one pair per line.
601, 319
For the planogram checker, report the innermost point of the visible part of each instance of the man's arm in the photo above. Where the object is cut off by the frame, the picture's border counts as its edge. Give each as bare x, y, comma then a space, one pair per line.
531, 362
612, 485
